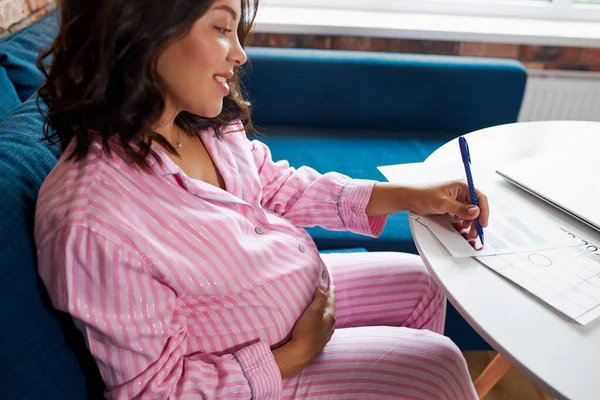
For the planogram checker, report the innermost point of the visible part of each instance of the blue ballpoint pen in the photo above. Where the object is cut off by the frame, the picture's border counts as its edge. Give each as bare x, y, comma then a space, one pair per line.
466, 157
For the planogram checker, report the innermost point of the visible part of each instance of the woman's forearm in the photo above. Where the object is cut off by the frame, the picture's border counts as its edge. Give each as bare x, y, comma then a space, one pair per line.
389, 198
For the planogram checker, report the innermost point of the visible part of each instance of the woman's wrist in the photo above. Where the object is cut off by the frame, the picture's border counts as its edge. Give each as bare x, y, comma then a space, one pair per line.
290, 358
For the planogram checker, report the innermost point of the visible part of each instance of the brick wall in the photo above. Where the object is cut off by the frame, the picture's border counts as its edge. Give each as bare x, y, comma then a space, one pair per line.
16, 14
535, 57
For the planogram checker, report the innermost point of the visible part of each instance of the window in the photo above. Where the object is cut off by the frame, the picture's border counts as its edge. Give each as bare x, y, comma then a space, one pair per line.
584, 10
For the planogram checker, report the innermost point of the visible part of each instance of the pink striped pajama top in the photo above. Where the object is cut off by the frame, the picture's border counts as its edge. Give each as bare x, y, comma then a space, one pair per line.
179, 287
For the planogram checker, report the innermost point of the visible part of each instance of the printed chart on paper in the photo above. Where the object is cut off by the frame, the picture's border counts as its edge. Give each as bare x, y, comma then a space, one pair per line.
567, 279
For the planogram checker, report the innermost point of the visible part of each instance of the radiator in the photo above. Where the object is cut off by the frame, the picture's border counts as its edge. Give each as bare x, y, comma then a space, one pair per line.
564, 95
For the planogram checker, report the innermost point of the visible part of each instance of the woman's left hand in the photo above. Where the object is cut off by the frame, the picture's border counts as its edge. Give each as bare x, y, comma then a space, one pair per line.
452, 198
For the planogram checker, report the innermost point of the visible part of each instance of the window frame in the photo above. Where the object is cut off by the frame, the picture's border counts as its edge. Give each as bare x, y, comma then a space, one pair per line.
559, 10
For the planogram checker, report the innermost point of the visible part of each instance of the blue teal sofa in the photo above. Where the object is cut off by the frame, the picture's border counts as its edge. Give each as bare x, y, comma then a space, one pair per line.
343, 111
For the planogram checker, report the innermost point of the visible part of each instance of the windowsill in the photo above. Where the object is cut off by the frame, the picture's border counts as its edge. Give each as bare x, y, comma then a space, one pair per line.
318, 21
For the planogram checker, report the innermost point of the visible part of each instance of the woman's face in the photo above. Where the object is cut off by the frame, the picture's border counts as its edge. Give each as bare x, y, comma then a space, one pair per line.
196, 67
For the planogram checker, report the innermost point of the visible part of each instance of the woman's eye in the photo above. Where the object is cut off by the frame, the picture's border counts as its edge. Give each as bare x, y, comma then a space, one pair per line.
223, 31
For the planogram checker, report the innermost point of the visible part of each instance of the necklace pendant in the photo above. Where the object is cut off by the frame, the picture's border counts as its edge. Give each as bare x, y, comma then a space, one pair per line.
178, 145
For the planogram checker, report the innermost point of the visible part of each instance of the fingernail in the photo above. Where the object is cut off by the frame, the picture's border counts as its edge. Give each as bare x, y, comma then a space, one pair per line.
472, 210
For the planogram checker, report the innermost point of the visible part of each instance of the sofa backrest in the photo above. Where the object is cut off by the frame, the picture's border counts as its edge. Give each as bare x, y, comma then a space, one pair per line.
382, 91
42, 355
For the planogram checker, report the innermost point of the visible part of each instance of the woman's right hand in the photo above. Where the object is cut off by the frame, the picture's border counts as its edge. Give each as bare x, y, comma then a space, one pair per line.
310, 335
316, 325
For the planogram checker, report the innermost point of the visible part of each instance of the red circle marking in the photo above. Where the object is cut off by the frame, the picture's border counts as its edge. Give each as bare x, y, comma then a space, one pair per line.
540, 260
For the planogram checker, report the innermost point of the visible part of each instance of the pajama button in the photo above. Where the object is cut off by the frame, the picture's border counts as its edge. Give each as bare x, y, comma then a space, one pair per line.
258, 230
324, 274
302, 248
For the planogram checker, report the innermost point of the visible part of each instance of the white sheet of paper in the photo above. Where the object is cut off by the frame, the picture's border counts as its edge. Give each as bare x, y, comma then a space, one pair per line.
508, 232
420, 173
589, 316
417, 174
568, 279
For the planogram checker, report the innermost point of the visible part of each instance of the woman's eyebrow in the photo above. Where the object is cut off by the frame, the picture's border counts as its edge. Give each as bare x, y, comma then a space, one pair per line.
228, 9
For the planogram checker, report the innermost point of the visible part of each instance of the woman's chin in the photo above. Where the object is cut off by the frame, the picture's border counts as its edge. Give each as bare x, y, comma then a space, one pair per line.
211, 112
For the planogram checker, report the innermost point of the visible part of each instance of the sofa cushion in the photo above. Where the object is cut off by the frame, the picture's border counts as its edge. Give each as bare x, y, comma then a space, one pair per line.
350, 250
356, 154
9, 100
19, 51
43, 356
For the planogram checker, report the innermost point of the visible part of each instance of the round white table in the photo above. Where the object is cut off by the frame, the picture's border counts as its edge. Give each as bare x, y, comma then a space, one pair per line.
558, 354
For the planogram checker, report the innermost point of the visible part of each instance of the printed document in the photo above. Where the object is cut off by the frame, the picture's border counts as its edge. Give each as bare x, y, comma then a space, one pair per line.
567, 279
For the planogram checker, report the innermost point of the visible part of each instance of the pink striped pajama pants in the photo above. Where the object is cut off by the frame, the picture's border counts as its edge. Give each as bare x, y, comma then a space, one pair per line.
387, 343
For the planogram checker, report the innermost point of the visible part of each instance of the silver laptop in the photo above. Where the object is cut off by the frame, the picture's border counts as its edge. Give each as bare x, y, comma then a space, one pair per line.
570, 182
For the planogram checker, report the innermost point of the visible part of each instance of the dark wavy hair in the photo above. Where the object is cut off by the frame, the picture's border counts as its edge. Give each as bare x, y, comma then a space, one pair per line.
103, 77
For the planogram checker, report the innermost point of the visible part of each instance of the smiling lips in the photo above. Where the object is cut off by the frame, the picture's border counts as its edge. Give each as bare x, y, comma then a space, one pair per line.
222, 82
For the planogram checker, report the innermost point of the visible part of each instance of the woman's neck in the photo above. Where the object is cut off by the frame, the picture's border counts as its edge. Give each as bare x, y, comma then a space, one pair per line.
166, 126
